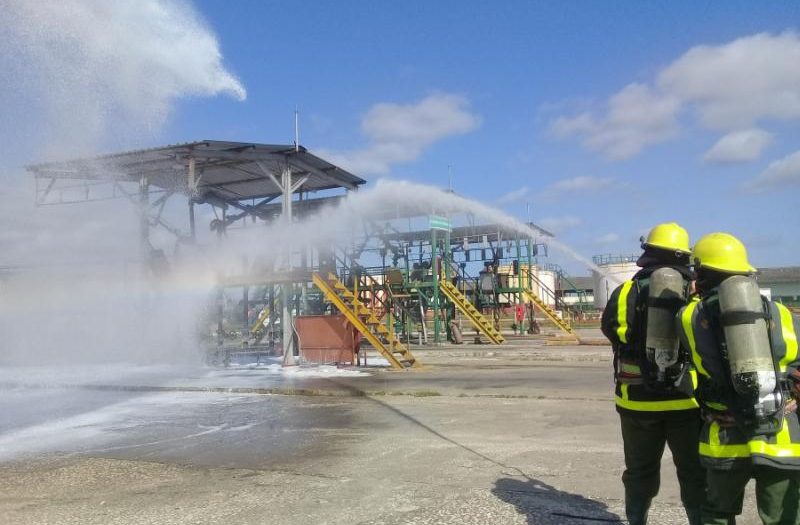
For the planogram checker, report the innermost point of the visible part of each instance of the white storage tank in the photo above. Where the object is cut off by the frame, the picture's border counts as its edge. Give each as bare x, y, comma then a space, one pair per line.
543, 289
547, 279
546, 285
615, 270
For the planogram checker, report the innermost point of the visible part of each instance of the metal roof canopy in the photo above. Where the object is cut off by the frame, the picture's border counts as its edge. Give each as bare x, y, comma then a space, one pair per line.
497, 232
208, 171
779, 275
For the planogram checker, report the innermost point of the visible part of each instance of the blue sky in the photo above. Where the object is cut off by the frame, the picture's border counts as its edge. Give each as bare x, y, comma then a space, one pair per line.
518, 66
601, 116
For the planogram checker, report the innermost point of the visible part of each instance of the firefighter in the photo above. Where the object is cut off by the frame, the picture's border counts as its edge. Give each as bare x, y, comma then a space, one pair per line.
744, 348
654, 381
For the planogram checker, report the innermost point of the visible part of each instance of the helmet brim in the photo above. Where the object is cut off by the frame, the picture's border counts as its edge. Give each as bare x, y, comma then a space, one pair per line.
736, 271
664, 247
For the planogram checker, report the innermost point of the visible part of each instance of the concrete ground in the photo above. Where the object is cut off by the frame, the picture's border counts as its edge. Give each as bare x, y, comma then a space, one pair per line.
518, 434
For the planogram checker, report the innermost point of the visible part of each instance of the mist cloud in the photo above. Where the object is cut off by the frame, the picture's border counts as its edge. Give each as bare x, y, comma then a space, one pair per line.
92, 68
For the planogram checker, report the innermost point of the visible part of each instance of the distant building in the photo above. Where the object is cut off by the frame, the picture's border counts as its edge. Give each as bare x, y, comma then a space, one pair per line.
577, 291
783, 284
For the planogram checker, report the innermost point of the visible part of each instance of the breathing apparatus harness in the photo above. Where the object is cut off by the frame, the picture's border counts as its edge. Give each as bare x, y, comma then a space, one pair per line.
753, 413
656, 374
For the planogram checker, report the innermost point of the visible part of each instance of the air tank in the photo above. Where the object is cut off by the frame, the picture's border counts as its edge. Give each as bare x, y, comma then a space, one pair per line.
665, 298
749, 353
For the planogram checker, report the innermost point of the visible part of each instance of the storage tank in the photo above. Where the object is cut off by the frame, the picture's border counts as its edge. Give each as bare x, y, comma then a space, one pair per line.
615, 269
546, 285
547, 279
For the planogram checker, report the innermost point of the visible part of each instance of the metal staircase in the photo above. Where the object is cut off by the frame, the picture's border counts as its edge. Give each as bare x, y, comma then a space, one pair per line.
477, 319
390, 302
551, 314
562, 324
259, 328
365, 322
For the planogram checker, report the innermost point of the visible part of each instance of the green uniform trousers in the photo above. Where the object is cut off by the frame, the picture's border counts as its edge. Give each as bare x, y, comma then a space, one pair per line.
777, 495
644, 437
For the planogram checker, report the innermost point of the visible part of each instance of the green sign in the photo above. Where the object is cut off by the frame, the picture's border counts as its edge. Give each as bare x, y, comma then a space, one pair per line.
439, 223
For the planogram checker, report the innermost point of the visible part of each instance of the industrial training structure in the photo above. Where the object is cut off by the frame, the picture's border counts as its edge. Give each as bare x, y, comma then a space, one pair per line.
411, 277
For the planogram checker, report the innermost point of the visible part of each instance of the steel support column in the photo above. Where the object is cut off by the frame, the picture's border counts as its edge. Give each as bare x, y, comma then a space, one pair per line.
520, 300
436, 302
192, 226
144, 219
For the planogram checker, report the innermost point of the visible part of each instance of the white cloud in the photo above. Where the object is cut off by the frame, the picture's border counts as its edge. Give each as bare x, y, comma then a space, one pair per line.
636, 117
566, 126
514, 195
560, 224
582, 183
400, 133
739, 146
781, 173
608, 238
729, 87
738, 83
574, 184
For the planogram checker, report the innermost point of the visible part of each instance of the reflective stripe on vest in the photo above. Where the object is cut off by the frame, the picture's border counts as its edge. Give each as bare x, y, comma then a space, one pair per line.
629, 368
686, 322
622, 312
782, 448
655, 406
789, 337
719, 407
715, 449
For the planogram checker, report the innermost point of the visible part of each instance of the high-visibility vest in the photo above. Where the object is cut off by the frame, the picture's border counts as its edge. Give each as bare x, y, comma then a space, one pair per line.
621, 325
724, 447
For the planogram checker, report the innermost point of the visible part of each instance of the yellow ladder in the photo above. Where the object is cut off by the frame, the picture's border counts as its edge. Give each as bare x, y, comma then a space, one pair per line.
477, 319
259, 324
365, 322
258, 330
549, 312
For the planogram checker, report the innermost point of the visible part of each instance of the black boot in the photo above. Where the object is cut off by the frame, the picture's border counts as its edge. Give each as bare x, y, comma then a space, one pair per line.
637, 512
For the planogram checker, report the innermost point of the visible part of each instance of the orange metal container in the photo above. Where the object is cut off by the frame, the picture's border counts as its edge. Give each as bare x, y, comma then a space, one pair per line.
327, 339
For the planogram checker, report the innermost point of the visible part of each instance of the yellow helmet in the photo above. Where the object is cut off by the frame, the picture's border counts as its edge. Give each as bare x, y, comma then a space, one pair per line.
722, 252
669, 236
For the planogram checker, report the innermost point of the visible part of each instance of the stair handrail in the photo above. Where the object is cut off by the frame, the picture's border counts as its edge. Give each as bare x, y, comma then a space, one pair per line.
581, 291
557, 301
259, 330
449, 288
359, 324
374, 282
561, 274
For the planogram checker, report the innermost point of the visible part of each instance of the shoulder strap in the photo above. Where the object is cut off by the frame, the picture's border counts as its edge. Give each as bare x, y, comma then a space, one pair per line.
640, 315
666, 302
737, 317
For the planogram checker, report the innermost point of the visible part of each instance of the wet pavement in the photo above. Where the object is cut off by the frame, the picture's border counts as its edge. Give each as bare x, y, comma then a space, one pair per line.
517, 437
